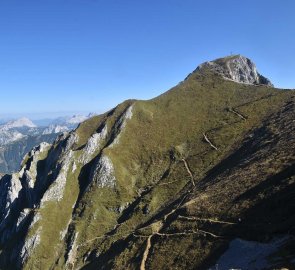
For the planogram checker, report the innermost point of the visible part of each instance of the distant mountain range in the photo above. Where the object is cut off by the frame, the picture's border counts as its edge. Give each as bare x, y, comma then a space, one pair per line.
18, 123
63, 120
19, 136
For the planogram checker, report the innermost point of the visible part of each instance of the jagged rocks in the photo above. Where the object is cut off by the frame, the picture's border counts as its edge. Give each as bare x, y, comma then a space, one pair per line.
103, 173
71, 140
55, 191
30, 171
237, 68
93, 145
10, 188
22, 217
29, 246
120, 125
55, 129
71, 256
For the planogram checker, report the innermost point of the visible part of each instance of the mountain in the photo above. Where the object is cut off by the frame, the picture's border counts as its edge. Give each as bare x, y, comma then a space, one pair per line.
9, 136
4, 120
55, 129
71, 121
12, 154
16, 129
236, 68
76, 119
198, 176
19, 123
17, 137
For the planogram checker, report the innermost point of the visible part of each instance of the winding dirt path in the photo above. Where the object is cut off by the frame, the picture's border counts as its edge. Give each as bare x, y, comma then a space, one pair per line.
208, 141
146, 252
206, 220
189, 171
237, 113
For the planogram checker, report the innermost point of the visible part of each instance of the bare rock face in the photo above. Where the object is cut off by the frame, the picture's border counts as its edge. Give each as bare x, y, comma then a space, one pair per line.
103, 174
236, 68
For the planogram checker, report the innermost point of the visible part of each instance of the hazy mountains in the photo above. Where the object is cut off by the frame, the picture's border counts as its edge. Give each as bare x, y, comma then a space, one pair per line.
19, 136
19, 123
64, 120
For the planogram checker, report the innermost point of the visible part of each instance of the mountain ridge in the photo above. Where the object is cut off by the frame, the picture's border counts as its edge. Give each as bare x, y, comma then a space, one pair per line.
18, 123
158, 183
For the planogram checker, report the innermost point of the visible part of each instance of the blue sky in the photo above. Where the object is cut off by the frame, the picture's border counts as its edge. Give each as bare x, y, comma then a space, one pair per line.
67, 56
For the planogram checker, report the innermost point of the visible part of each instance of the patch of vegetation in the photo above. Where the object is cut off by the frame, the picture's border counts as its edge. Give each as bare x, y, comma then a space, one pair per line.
55, 216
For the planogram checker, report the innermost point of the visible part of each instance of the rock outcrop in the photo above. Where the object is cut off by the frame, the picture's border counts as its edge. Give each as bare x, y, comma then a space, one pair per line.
237, 68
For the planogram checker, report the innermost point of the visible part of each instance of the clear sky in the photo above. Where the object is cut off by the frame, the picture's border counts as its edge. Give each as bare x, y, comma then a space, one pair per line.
88, 55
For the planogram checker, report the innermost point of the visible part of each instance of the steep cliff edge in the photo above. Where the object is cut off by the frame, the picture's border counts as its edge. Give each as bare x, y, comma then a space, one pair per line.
155, 184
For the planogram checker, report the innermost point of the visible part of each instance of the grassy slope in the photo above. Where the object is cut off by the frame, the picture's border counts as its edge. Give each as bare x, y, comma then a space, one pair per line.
253, 188
148, 167
173, 125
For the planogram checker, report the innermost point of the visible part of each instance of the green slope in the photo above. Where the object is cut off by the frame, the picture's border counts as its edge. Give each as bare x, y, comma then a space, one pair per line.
180, 154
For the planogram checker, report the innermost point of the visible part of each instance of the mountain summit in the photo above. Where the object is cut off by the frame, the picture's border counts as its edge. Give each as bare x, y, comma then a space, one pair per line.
18, 123
237, 68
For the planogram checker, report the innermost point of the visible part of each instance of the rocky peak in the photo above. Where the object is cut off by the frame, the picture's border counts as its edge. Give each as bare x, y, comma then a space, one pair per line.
18, 123
236, 68
76, 119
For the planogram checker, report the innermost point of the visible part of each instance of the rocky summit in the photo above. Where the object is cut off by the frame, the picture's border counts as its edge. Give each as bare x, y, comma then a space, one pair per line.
191, 179
237, 68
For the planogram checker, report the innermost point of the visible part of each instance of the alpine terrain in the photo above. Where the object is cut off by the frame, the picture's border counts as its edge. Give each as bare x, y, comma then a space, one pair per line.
18, 137
200, 177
